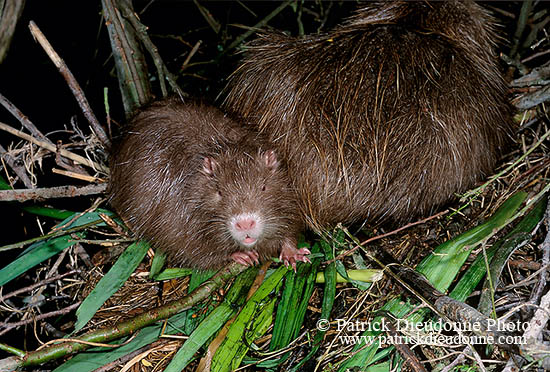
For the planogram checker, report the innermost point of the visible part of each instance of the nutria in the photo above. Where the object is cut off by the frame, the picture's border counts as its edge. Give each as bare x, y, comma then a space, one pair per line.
384, 118
203, 188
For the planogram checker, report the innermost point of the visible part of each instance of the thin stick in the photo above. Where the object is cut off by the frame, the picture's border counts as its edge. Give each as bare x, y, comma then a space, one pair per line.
347, 253
23, 119
77, 158
22, 195
123, 359
50, 235
19, 170
191, 54
73, 84
141, 32
258, 25
36, 285
78, 176
10, 326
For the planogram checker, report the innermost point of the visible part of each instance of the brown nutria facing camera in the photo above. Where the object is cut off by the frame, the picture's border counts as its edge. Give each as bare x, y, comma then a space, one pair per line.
203, 188
384, 118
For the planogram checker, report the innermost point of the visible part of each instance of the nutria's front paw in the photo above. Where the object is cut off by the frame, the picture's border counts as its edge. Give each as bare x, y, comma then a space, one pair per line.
247, 258
290, 254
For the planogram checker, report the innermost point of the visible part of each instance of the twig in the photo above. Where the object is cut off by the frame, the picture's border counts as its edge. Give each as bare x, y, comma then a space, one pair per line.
141, 31
348, 252
19, 170
9, 15
536, 55
22, 195
76, 216
191, 54
129, 356
23, 119
77, 158
10, 326
545, 248
78, 176
36, 285
127, 327
78, 341
50, 235
525, 265
208, 16
73, 84
129, 60
522, 22
258, 25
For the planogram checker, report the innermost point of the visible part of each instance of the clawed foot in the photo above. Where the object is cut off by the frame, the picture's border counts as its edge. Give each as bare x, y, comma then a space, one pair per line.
290, 255
247, 258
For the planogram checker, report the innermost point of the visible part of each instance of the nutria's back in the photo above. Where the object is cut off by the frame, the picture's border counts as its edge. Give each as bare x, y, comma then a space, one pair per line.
387, 116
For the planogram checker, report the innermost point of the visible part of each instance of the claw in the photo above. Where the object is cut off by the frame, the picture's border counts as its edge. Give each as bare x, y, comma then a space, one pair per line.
248, 258
290, 254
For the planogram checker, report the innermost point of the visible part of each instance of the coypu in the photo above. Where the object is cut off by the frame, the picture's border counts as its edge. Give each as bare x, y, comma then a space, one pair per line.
385, 117
202, 188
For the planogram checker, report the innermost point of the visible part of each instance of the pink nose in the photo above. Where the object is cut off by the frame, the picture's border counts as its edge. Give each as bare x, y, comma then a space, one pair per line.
245, 225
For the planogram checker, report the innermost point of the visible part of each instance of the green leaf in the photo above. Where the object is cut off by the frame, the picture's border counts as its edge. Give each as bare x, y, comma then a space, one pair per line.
36, 254
99, 356
292, 307
504, 248
214, 321
172, 273
42, 250
230, 353
59, 214
328, 298
442, 266
477, 270
4, 185
197, 313
157, 264
111, 282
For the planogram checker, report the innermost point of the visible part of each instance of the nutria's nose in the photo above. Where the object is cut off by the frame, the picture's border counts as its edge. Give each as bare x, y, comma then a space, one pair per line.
245, 224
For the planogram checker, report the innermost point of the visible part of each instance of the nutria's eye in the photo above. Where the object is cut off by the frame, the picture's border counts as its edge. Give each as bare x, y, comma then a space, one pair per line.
263, 187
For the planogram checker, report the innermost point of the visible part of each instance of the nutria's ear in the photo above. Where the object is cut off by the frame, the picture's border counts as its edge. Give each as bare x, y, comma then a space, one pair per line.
270, 159
209, 166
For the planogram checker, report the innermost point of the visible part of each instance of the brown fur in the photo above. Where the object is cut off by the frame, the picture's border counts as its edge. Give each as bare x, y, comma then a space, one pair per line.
159, 187
385, 117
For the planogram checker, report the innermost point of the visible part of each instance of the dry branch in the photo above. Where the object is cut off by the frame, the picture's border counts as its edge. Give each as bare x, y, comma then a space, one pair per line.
73, 84
77, 158
9, 15
127, 327
19, 170
9, 326
129, 60
141, 33
22, 195
23, 119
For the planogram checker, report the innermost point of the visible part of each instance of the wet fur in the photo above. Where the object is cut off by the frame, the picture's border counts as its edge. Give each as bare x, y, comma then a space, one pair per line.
159, 187
384, 118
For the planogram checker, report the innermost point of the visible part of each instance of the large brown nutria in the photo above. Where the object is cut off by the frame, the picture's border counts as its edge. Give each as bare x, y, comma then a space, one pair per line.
202, 188
385, 117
